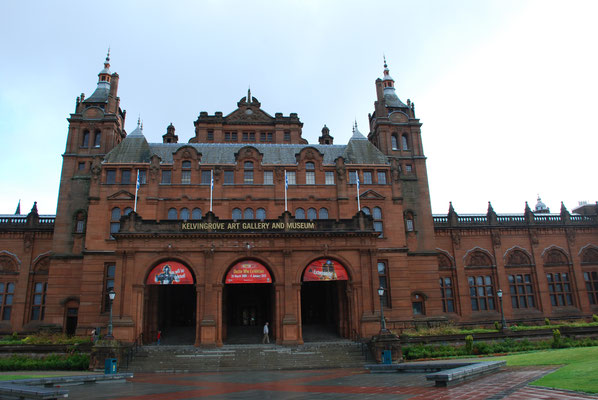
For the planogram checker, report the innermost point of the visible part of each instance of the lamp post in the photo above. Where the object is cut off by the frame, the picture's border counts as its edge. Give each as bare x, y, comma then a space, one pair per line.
111, 295
382, 321
503, 323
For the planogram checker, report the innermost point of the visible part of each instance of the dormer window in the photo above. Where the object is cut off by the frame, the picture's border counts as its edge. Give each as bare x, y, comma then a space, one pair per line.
186, 172
248, 173
310, 173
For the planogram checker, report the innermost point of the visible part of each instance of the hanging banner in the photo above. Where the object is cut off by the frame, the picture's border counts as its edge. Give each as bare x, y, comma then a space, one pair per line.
325, 270
170, 273
248, 272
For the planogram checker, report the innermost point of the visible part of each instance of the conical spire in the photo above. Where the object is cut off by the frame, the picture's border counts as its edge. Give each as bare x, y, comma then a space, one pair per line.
100, 95
356, 134
388, 81
18, 212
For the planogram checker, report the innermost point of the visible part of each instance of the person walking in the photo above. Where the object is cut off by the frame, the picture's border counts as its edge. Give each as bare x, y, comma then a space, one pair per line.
159, 337
266, 338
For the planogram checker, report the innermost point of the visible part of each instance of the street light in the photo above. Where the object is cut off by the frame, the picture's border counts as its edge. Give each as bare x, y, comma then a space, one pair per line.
111, 295
382, 321
503, 323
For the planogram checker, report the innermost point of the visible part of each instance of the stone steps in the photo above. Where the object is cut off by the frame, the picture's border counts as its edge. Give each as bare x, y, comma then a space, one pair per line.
338, 354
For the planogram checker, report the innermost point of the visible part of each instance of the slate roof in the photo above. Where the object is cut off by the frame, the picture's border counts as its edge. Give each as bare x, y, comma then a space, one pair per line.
100, 95
135, 149
391, 99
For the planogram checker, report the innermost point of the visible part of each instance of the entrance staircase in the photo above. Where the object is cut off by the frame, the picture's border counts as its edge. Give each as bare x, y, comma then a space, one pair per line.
233, 357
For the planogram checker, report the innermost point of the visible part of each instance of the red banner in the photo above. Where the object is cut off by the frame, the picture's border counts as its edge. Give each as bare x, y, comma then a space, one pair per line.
248, 272
170, 273
325, 270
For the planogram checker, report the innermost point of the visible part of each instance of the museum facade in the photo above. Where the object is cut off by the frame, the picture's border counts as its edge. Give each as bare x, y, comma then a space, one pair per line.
248, 223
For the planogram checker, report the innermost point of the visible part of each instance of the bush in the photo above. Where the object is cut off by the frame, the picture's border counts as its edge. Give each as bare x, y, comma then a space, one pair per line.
496, 325
546, 321
469, 344
556, 339
52, 362
595, 318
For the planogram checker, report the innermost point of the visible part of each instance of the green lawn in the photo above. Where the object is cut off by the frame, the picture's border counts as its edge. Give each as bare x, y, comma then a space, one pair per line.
14, 377
579, 371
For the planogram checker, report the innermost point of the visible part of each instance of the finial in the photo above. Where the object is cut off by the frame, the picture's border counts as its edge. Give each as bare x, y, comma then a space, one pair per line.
384, 57
249, 94
139, 121
108, 55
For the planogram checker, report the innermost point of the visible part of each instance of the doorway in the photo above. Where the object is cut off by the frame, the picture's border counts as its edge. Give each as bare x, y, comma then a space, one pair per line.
324, 311
246, 308
171, 310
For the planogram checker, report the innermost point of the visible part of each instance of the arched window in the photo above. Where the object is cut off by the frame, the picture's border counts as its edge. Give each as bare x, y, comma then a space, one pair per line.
418, 303
186, 164
127, 211
378, 226
394, 143
114, 220
404, 142
196, 213
312, 213
172, 213
248, 214
409, 222
97, 139
300, 213
80, 222
85, 141
237, 213
323, 213
366, 211
185, 214
248, 173
260, 214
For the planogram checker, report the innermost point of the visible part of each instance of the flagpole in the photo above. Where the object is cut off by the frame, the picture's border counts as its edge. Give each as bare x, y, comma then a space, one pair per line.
358, 202
136, 190
286, 185
211, 187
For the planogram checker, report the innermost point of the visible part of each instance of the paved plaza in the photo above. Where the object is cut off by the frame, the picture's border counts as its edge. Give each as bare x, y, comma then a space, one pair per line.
510, 383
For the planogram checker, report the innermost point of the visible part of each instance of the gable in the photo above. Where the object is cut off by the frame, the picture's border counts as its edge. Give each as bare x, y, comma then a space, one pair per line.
121, 195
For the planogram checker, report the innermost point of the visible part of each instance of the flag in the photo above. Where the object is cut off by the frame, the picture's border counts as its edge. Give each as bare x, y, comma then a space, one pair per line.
211, 187
286, 186
136, 190
357, 185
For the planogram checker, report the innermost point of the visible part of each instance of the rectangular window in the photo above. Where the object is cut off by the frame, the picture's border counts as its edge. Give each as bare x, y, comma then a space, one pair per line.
80, 226
378, 227
109, 273
229, 177
287, 136
206, 177
111, 176
210, 134
269, 137
166, 175
249, 136
522, 292
367, 177
447, 295
125, 177
383, 282
81, 166
353, 177
408, 168
591, 279
481, 292
142, 176
268, 178
38, 303
186, 177
310, 177
559, 287
7, 290
330, 177
381, 178
409, 225
291, 177
262, 136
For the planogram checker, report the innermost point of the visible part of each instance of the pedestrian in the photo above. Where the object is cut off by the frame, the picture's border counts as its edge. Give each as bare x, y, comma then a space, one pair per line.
93, 335
266, 338
159, 337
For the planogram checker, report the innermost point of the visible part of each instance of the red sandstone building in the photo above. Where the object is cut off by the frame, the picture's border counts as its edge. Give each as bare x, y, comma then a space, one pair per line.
248, 223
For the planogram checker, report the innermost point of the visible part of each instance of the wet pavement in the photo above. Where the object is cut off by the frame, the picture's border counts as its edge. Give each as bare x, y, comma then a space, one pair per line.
348, 384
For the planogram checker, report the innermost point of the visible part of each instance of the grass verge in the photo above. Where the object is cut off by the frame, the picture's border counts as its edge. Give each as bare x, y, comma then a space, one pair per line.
578, 373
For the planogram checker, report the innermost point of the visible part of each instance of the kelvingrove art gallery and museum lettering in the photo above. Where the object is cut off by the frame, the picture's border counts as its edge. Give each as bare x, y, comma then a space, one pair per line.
245, 222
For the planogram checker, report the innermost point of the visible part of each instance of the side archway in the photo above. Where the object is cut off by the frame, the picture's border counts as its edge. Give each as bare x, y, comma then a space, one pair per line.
324, 302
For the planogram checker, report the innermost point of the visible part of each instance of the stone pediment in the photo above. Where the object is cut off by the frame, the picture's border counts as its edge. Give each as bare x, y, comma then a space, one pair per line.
249, 115
121, 195
371, 195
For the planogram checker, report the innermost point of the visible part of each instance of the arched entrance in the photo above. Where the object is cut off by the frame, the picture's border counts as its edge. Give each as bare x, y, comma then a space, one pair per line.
324, 305
171, 304
248, 303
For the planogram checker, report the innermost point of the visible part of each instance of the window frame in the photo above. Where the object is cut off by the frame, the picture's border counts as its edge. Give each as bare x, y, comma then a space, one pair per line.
489, 294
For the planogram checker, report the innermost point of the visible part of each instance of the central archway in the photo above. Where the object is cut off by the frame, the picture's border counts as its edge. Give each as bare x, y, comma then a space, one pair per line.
324, 304
171, 306
248, 303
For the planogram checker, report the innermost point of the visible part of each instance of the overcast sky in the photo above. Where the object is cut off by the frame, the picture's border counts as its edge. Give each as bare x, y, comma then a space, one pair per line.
506, 90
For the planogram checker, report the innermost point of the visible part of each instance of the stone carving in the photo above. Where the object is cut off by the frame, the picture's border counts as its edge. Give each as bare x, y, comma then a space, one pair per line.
96, 168
496, 239
518, 257
590, 256
341, 172
478, 259
444, 262
456, 237
7, 265
555, 257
